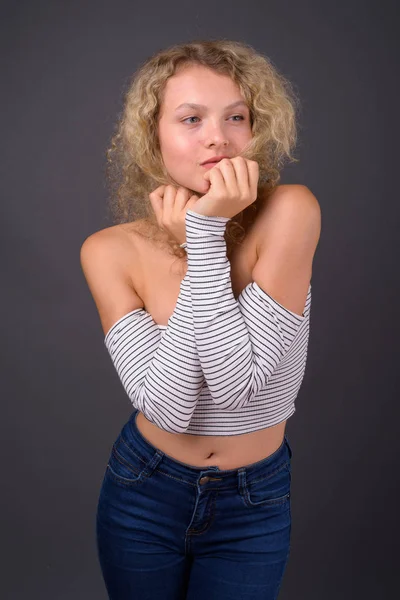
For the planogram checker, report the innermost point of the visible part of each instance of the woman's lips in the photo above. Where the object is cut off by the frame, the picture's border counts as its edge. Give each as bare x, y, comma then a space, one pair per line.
209, 165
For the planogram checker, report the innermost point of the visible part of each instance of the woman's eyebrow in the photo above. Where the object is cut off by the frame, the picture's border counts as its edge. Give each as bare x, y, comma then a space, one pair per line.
194, 106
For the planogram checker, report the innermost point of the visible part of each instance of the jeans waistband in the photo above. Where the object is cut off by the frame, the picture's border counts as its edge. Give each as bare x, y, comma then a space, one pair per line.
141, 446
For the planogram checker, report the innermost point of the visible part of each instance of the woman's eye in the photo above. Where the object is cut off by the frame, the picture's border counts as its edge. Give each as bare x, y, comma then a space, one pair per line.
184, 120
240, 117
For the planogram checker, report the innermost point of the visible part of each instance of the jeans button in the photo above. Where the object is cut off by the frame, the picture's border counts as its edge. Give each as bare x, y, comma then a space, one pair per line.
204, 480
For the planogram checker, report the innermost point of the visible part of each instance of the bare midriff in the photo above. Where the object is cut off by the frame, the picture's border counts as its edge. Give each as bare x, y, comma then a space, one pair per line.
156, 278
225, 452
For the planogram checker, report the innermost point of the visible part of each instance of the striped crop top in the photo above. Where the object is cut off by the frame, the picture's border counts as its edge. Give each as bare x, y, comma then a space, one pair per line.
221, 366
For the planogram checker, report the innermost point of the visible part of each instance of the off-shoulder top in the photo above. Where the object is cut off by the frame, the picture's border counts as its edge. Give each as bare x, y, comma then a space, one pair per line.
221, 366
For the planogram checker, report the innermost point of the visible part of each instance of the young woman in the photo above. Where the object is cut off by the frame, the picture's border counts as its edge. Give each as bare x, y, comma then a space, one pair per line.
203, 291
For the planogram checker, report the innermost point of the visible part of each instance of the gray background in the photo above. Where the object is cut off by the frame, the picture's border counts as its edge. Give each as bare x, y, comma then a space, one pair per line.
65, 66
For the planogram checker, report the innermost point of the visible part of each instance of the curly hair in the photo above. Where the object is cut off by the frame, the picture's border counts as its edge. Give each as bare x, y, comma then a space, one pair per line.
134, 161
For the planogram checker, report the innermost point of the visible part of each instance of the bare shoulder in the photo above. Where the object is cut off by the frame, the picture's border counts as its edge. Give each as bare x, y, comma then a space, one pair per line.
114, 246
107, 257
292, 195
290, 226
288, 202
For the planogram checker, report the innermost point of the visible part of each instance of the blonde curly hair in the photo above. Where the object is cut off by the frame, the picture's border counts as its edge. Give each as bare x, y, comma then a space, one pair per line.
134, 161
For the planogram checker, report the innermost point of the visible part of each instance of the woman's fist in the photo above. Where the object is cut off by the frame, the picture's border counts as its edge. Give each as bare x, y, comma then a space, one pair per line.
233, 187
170, 205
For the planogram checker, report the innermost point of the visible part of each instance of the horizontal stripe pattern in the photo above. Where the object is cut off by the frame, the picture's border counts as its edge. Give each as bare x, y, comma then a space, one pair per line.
160, 370
222, 366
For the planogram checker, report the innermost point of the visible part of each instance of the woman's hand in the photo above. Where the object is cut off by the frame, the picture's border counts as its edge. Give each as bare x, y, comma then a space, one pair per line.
233, 187
170, 205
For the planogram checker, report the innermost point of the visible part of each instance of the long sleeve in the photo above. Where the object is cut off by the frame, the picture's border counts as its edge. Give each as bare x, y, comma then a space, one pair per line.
161, 373
239, 342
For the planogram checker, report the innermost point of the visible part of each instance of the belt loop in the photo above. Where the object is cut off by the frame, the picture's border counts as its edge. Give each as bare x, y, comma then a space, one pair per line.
241, 479
153, 463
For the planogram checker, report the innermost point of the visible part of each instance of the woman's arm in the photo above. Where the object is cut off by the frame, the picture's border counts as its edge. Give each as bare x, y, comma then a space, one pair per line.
161, 373
239, 343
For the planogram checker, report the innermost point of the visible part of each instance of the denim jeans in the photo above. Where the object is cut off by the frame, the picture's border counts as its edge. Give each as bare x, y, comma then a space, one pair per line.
167, 530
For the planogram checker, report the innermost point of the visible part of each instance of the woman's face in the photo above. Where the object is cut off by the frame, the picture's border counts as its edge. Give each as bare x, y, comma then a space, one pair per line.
190, 135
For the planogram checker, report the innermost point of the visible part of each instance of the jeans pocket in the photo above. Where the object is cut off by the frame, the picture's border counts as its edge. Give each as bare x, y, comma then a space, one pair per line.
126, 466
273, 489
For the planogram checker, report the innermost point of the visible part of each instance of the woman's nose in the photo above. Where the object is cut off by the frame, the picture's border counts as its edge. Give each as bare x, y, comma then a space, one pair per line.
215, 134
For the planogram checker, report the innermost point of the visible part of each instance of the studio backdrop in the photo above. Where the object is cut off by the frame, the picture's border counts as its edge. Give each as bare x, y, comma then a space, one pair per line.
66, 66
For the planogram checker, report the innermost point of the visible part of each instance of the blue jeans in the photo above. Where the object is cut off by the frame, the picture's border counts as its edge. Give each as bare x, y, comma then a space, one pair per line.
167, 530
